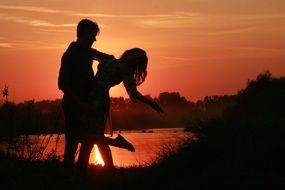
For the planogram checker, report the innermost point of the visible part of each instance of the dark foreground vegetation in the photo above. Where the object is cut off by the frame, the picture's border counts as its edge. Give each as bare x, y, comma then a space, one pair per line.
242, 147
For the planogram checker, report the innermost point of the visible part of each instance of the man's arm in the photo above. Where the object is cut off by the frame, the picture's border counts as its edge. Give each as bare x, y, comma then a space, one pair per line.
99, 56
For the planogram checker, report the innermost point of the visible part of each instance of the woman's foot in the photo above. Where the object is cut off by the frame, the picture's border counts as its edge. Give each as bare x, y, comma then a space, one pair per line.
121, 142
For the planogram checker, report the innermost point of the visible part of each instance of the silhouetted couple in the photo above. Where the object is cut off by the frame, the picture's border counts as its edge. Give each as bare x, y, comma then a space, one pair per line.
86, 100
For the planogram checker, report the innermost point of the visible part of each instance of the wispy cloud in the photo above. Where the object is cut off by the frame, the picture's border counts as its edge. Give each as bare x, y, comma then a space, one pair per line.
33, 22
48, 24
98, 15
56, 30
162, 23
177, 14
29, 44
226, 31
176, 58
6, 45
29, 8
178, 19
259, 50
167, 20
33, 44
173, 19
78, 14
262, 16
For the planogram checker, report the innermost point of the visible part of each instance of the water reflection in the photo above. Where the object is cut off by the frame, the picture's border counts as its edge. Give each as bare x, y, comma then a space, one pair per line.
148, 143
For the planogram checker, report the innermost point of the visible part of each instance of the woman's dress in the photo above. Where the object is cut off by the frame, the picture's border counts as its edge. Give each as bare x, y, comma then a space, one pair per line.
109, 74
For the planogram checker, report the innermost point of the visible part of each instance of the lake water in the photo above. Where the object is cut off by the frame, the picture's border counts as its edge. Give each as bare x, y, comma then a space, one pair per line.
148, 144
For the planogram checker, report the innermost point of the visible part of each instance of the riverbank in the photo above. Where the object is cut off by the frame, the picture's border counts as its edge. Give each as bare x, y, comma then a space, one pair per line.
241, 149
184, 170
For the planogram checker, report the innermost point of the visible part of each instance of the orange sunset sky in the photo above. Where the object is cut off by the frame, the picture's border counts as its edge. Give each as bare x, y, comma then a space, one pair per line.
195, 47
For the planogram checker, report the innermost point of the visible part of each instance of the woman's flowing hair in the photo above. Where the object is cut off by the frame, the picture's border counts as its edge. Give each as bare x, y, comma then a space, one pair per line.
137, 59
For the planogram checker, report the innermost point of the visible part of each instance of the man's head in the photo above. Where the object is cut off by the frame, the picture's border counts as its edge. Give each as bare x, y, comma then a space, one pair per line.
87, 31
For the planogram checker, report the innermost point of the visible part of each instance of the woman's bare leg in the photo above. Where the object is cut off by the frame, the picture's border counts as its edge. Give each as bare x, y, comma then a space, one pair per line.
106, 154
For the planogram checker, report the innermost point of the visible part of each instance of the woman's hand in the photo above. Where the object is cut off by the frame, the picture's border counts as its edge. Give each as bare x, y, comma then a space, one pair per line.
156, 107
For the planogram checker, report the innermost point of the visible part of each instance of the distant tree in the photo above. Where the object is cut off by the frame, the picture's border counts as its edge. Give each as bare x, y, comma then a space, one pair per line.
118, 104
5, 93
172, 99
264, 95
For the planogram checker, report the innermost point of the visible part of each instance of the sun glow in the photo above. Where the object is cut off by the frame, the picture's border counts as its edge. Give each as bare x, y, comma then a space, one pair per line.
98, 160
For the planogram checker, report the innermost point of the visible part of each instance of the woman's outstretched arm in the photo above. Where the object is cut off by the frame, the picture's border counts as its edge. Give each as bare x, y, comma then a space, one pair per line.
148, 101
135, 95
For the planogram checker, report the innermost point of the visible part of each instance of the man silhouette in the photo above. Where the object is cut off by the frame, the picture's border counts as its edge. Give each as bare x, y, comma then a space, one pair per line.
75, 78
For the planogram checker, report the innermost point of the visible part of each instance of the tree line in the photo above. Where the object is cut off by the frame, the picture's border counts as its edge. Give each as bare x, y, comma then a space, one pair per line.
46, 116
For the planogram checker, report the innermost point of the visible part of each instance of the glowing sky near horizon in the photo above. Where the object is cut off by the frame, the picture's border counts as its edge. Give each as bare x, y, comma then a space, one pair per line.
195, 47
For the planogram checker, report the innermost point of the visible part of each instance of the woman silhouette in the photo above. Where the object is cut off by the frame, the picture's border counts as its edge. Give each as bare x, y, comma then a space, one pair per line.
131, 69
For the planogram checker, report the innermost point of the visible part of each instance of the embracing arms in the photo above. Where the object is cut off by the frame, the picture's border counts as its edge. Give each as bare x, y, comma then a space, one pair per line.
71, 56
99, 56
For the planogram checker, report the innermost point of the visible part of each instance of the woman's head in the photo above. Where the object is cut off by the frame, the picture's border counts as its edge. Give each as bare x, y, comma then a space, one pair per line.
137, 59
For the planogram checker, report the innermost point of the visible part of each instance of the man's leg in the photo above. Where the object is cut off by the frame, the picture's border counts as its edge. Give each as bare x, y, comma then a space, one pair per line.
69, 153
71, 137
83, 158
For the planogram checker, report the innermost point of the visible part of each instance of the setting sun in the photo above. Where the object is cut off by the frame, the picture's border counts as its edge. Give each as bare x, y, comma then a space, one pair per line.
98, 160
